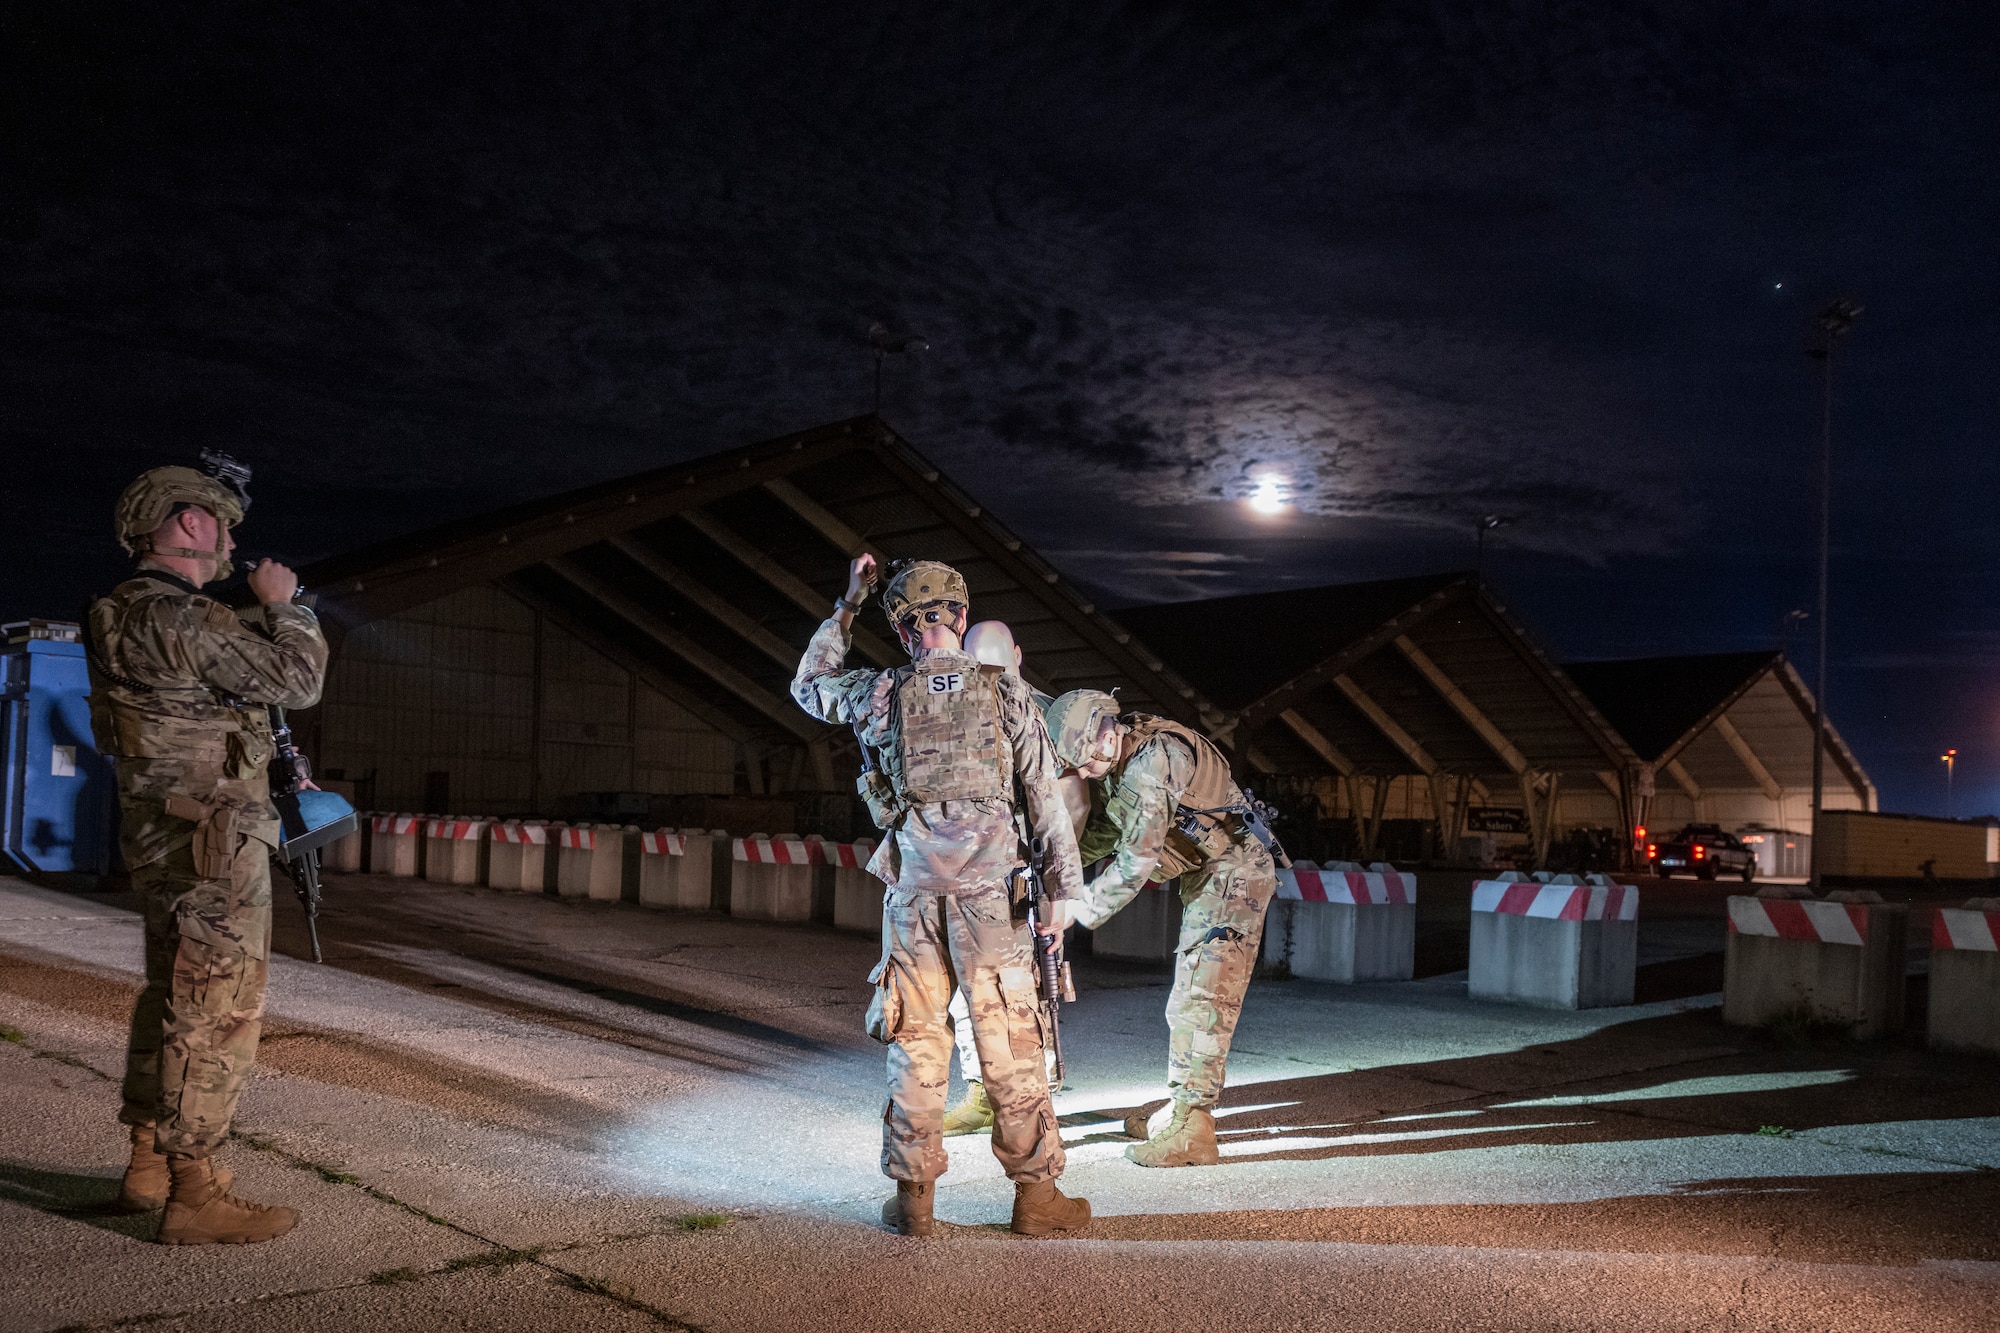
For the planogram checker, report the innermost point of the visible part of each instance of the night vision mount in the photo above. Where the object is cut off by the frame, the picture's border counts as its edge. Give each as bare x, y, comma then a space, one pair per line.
234, 475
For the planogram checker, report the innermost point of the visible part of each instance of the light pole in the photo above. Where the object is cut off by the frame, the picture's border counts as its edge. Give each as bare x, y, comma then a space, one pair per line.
1485, 525
1950, 760
1835, 319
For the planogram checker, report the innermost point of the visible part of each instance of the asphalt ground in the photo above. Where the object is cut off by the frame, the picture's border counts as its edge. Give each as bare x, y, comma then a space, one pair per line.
500, 1111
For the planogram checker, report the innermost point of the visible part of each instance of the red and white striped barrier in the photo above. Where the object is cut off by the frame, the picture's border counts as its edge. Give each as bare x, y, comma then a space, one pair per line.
454, 830
517, 857
1557, 902
663, 843
1359, 887
522, 835
771, 851
1800, 919
1966, 928
396, 825
577, 839
843, 855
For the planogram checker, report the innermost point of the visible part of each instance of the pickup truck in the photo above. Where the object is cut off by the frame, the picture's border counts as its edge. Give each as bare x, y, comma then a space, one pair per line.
1704, 851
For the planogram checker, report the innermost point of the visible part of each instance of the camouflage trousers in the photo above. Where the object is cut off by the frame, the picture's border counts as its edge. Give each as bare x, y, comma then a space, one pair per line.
195, 1027
1222, 927
933, 944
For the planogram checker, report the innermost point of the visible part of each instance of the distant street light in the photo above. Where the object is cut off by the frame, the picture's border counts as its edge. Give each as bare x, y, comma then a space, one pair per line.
888, 345
1835, 319
1485, 525
1950, 760
1790, 621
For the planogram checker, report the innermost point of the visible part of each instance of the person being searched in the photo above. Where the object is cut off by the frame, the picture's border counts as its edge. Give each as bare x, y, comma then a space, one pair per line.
992, 642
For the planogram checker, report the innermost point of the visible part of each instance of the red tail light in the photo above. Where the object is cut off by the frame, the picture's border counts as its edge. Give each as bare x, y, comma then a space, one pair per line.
1699, 851
1652, 851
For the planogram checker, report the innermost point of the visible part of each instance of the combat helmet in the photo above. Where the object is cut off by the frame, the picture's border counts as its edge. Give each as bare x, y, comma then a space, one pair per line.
1074, 720
922, 589
156, 495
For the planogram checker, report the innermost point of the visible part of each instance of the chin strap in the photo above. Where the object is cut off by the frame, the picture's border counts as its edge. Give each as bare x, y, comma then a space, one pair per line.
220, 555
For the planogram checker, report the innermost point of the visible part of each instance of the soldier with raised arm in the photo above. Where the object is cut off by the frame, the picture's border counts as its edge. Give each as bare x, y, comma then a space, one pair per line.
945, 743
179, 688
1168, 808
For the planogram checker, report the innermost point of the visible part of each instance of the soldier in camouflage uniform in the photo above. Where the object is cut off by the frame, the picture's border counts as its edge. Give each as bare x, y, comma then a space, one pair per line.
1165, 806
179, 684
953, 738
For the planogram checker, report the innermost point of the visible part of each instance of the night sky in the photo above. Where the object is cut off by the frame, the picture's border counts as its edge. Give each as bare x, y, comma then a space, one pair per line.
1408, 264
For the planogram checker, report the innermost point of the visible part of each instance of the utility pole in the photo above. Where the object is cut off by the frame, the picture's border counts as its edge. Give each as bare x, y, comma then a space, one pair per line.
1835, 319
1950, 758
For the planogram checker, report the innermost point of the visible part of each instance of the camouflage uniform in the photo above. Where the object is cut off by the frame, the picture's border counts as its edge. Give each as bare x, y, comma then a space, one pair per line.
1226, 884
178, 687
946, 918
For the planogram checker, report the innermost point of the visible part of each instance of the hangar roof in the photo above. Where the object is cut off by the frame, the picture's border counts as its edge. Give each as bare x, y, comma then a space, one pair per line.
709, 576
1415, 675
1720, 721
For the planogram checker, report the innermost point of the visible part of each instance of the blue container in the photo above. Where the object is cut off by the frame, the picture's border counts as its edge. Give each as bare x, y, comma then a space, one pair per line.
58, 801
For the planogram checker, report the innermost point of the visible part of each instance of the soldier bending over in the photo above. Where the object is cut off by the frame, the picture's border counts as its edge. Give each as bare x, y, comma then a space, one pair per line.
1169, 808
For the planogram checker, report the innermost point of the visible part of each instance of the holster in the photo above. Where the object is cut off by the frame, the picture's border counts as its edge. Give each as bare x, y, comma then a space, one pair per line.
215, 835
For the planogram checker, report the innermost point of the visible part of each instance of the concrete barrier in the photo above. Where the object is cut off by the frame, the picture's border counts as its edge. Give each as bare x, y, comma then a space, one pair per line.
771, 879
392, 844
1833, 960
1148, 927
857, 894
590, 862
452, 850
517, 856
344, 854
1965, 977
664, 873
1343, 923
1564, 944
704, 875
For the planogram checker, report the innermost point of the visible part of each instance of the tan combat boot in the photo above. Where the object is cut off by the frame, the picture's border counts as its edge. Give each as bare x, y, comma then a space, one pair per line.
147, 1180
1188, 1139
971, 1115
200, 1212
909, 1213
1041, 1209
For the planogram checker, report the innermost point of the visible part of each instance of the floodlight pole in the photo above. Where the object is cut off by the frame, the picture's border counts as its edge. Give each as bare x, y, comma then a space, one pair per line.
1834, 321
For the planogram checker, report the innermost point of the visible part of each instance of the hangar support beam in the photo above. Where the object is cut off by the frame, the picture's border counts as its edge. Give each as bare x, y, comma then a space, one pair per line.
1460, 704
1317, 742
784, 581
781, 711
1762, 775
712, 603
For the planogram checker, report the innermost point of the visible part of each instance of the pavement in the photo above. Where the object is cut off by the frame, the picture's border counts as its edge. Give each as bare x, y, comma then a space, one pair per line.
502, 1111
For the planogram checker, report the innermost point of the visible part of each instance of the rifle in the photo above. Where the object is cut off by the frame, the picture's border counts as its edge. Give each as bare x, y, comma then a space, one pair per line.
1052, 975
311, 819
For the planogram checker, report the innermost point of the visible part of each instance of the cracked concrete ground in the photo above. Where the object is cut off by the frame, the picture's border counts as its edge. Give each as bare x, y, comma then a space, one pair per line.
498, 1111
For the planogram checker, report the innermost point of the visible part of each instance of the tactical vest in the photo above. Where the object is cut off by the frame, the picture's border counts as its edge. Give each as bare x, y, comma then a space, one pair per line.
948, 744
191, 722
1205, 819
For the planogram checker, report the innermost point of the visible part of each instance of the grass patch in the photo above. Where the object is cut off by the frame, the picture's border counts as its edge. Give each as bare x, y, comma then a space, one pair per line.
1777, 1132
1801, 1027
14, 1035
703, 1221
389, 1277
495, 1259
333, 1177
